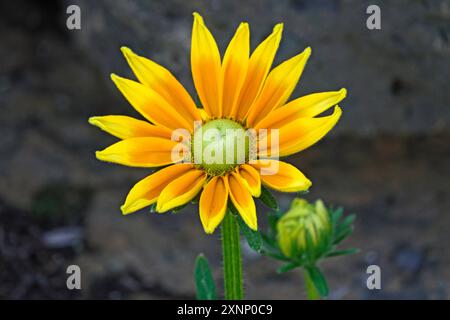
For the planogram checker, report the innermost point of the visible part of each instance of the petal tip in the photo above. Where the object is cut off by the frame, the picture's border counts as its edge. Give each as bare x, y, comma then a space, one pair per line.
99, 155
126, 51
114, 77
94, 121
124, 210
278, 27
253, 226
302, 57
307, 51
197, 17
118, 81
208, 229
161, 207
306, 184
244, 25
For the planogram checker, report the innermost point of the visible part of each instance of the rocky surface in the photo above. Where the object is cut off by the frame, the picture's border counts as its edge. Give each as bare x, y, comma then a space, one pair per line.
60, 206
397, 77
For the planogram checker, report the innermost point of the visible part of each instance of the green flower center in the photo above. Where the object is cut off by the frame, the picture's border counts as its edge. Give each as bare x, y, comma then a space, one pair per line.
219, 146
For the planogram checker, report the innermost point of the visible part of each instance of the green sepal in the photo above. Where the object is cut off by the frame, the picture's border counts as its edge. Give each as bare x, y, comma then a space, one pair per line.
343, 229
287, 267
343, 252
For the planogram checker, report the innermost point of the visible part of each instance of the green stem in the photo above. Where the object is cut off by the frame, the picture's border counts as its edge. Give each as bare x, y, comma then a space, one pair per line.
232, 262
310, 287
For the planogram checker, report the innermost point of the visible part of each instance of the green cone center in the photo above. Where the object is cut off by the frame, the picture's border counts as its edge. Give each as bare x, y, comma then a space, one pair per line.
218, 146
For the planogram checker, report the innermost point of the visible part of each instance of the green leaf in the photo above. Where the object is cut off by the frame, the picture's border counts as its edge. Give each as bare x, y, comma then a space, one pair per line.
302, 193
253, 237
336, 216
204, 282
152, 208
273, 220
276, 255
233, 209
317, 277
196, 199
342, 252
344, 229
179, 208
287, 267
341, 236
269, 241
268, 199
347, 222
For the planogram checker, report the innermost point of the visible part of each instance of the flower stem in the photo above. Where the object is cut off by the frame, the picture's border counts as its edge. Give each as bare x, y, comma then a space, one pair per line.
232, 262
310, 287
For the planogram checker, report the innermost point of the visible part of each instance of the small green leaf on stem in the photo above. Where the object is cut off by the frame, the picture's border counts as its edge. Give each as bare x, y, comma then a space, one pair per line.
268, 199
253, 237
204, 282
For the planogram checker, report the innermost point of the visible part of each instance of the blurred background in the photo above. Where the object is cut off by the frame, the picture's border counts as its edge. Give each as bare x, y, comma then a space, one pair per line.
388, 159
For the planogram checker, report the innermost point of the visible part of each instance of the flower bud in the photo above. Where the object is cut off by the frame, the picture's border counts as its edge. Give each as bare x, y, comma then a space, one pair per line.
305, 230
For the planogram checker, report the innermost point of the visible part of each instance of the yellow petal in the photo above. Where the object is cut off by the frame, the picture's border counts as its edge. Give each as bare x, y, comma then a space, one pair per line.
146, 191
141, 152
181, 190
278, 87
213, 203
124, 127
234, 68
164, 83
206, 68
258, 68
303, 133
242, 200
150, 104
307, 106
204, 115
251, 179
281, 176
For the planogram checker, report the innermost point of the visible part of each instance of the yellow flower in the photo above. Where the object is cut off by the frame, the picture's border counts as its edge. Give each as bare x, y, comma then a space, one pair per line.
236, 92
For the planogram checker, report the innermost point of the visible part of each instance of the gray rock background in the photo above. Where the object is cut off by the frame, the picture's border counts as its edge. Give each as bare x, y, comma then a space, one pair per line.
387, 160
391, 74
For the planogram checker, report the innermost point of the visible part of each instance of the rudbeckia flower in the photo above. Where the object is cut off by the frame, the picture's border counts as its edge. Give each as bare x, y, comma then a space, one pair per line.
238, 91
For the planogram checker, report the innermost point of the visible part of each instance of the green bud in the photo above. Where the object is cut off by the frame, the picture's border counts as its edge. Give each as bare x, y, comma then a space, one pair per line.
305, 230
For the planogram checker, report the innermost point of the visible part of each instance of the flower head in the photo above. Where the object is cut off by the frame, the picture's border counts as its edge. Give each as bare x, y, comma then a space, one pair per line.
304, 229
238, 93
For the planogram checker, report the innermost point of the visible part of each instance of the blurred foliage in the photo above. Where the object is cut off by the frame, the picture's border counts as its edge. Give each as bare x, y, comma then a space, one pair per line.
60, 204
